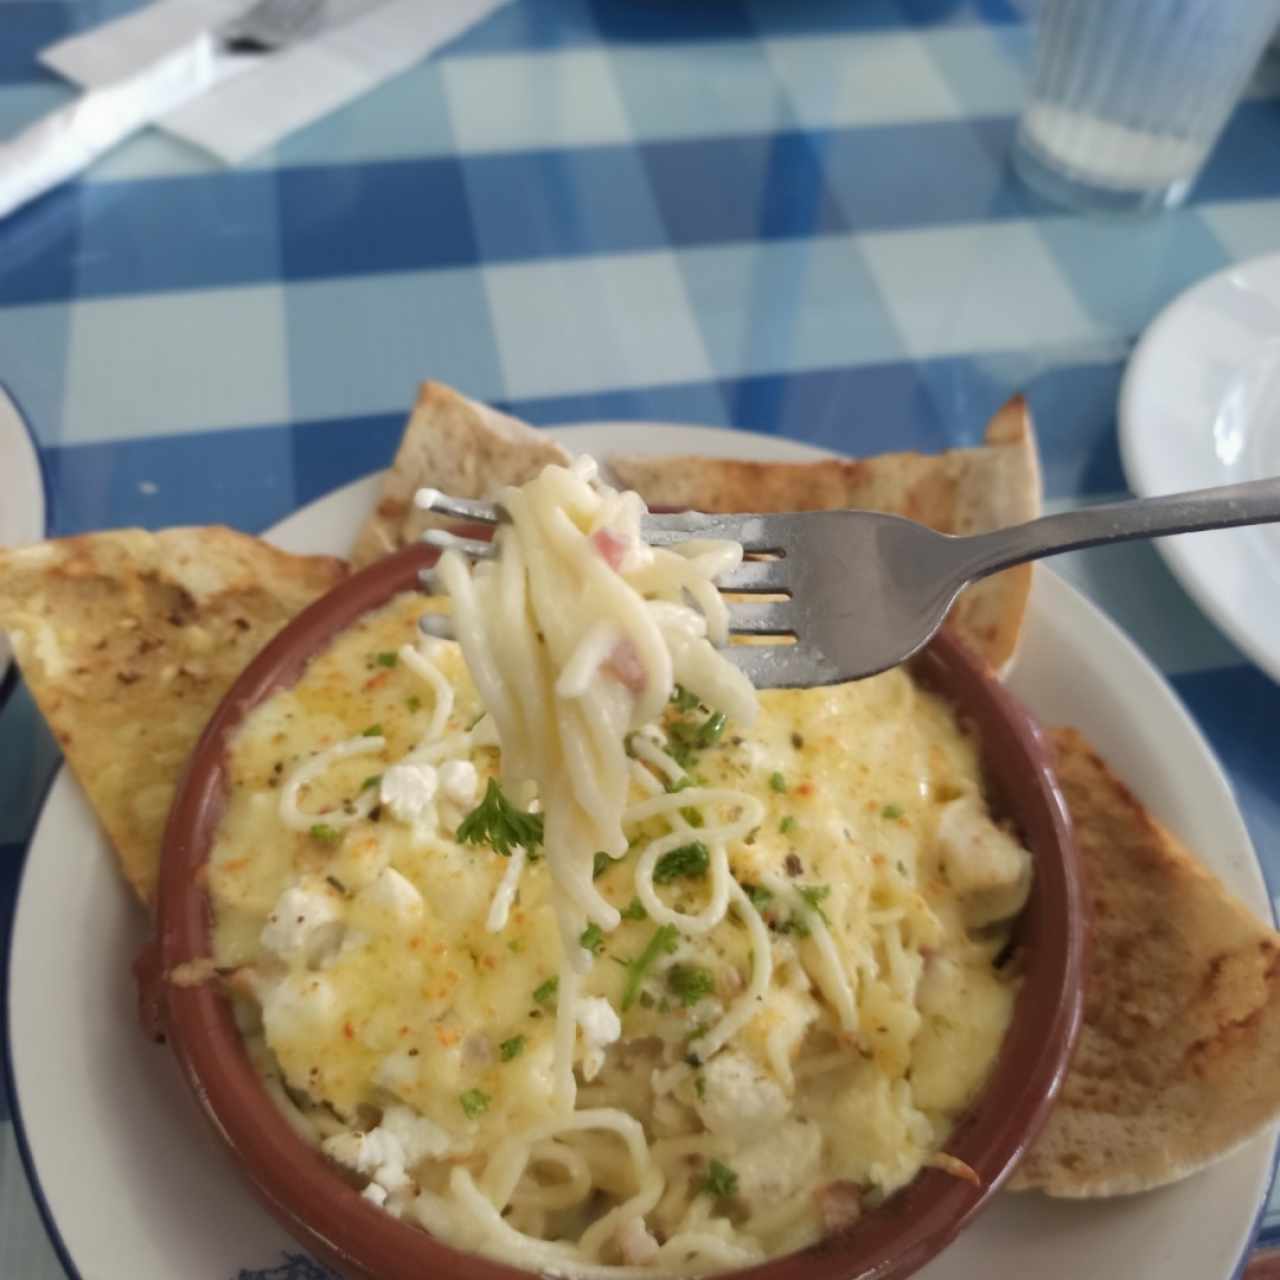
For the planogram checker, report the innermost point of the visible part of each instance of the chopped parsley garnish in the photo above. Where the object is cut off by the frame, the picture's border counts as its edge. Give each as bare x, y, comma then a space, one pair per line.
760, 896
721, 1182
326, 834
546, 992
497, 822
475, 1102
373, 731
777, 782
512, 1048
683, 699
690, 983
387, 659
663, 942
600, 864
892, 812
684, 737
787, 825
591, 939
635, 910
413, 702
682, 784
700, 1087
813, 894
686, 862
371, 781
712, 729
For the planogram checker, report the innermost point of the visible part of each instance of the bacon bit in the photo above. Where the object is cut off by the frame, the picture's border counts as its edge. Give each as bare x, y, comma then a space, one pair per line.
446, 1037
348, 1030
625, 667
954, 1166
415, 942
235, 865
804, 789
377, 681
192, 973
489, 961
611, 547
839, 1205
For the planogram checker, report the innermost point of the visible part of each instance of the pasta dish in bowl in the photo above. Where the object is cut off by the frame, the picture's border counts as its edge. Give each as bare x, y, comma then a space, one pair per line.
559, 948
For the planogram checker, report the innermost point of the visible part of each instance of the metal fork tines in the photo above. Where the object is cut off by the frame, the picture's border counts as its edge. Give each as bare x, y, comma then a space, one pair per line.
863, 591
763, 573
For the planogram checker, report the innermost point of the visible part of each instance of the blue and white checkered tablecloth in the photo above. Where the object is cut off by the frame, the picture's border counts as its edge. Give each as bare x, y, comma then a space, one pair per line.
793, 217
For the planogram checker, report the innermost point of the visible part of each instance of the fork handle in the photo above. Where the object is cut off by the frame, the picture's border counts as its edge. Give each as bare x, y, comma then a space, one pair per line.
1253, 502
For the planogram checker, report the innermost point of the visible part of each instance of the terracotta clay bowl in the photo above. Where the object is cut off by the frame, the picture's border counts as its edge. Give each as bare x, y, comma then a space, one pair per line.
310, 1198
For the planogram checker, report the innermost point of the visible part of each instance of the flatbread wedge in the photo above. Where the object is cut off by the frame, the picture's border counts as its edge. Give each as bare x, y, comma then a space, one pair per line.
961, 491
458, 446
128, 640
1177, 1062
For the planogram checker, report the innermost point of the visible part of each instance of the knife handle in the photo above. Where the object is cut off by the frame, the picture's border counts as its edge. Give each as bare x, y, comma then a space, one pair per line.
66, 141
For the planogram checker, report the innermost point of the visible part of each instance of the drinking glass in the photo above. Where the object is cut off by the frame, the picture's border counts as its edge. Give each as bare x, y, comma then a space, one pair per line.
1128, 97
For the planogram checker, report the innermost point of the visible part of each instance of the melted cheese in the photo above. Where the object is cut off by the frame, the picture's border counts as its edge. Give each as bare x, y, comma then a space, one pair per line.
415, 1003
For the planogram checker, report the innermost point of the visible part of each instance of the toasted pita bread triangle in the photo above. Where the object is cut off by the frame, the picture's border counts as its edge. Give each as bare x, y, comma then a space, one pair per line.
458, 446
1177, 1060
128, 640
961, 491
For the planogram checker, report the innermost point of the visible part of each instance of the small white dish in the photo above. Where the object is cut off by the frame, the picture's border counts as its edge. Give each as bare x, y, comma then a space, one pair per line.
22, 500
1200, 406
99, 1107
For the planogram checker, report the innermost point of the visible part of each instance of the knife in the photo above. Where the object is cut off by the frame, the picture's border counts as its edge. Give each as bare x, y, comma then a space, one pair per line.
66, 141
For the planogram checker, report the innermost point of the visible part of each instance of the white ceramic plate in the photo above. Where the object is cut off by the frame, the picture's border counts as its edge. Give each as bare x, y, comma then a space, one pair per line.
1200, 406
22, 504
100, 1108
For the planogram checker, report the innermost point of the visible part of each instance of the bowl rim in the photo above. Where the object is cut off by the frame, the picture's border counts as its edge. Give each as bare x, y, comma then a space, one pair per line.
308, 1195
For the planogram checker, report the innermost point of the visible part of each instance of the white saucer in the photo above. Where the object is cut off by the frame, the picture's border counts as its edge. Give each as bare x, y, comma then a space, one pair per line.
22, 503
103, 1112
1200, 406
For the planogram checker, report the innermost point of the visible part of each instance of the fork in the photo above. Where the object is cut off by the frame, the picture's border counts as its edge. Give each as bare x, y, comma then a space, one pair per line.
861, 591
67, 140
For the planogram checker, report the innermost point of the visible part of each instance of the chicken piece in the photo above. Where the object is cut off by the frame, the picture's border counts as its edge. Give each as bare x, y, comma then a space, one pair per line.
987, 868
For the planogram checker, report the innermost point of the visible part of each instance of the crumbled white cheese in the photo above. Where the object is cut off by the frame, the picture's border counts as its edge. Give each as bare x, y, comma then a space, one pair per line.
393, 893
297, 1004
458, 782
738, 1099
419, 1138
779, 1166
299, 912
408, 790
386, 1154
377, 1155
600, 1028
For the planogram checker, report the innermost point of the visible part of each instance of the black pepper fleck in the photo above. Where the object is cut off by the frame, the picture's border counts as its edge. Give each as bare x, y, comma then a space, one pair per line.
793, 865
